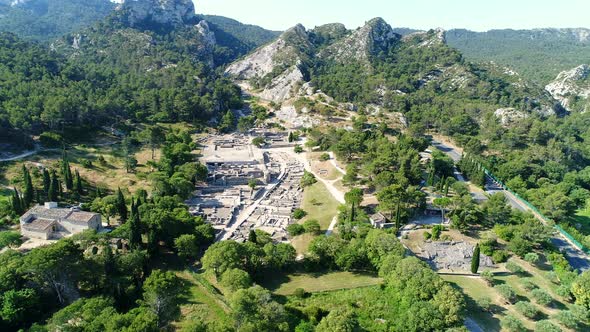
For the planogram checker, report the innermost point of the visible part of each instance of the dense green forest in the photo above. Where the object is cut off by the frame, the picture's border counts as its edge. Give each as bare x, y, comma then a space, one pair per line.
538, 54
46, 20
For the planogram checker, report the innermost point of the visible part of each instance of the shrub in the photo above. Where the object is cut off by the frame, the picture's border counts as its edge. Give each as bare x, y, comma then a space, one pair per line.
312, 226
532, 258
552, 276
528, 284
299, 213
436, 231
300, 293
487, 246
546, 326
512, 324
567, 319
10, 239
580, 312
500, 256
527, 309
298, 149
565, 292
427, 235
86, 163
308, 179
50, 140
541, 297
485, 303
514, 267
487, 276
506, 292
325, 157
295, 229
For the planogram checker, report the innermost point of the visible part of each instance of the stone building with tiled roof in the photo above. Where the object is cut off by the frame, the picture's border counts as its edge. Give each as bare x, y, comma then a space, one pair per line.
50, 222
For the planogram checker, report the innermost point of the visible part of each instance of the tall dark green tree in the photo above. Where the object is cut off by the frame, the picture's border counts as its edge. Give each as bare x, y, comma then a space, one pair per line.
28, 191
78, 187
54, 188
475, 259
67, 171
16, 202
46, 181
135, 226
121, 206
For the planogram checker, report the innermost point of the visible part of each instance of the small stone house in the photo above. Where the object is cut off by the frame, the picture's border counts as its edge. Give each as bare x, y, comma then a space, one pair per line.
48, 221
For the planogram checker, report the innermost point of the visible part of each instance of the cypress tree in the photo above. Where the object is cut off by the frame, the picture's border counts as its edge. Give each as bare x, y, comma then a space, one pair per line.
135, 226
152, 242
53, 193
78, 184
398, 216
475, 259
16, 202
67, 172
46, 181
121, 206
28, 190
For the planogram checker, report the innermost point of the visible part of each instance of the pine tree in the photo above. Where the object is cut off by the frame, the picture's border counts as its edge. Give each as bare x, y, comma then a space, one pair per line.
121, 206
46, 181
475, 259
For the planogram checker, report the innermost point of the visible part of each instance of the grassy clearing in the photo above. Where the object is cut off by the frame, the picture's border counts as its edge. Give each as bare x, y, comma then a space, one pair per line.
319, 204
301, 243
583, 218
475, 289
202, 301
5, 194
320, 282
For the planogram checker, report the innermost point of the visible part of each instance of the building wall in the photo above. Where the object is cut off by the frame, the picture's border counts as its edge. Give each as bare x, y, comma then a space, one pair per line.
75, 228
44, 235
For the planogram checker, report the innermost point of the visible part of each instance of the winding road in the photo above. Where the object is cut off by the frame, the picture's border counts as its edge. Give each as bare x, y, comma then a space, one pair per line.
576, 257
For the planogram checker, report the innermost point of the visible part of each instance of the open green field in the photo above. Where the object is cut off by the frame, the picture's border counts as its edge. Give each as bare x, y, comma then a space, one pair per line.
202, 301
319, 204
320, 282
475, 289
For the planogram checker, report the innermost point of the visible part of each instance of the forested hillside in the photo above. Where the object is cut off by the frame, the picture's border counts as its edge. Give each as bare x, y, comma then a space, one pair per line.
45, 20
538, 54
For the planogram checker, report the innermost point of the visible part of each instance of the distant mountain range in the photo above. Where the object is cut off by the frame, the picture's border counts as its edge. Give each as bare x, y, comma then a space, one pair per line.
539, 54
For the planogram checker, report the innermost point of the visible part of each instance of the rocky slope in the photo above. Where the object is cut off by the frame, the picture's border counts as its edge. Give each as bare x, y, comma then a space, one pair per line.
276, 67
572, 88
374, 37
164, 12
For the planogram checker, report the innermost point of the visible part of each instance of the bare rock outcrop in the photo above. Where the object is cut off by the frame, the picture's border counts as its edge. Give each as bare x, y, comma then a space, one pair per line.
164, 12
570, 85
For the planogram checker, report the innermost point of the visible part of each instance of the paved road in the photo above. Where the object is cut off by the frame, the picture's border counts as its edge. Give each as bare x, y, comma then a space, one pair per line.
577, 259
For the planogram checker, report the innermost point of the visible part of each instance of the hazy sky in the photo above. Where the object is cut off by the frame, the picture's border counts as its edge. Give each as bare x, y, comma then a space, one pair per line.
477, 15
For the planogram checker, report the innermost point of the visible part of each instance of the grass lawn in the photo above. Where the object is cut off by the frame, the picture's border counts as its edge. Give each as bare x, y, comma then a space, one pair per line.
475, 289
583, 218
301, 243
202, 301
320, 282
319, 204
5, 194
